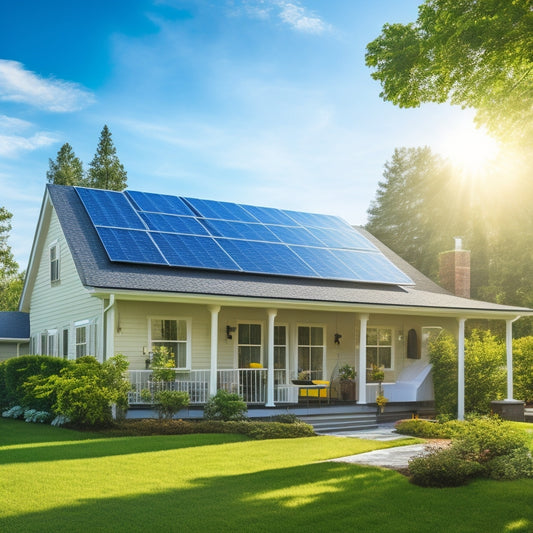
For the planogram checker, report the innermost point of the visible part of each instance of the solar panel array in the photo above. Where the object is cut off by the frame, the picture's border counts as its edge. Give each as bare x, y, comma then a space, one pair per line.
159, 229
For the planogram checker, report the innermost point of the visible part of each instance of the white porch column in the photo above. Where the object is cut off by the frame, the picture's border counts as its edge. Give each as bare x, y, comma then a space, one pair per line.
270, 357
214, 310
461, 370
363, 319
509, 355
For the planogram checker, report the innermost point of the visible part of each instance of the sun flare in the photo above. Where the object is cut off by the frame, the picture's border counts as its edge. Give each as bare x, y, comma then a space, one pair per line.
469, 148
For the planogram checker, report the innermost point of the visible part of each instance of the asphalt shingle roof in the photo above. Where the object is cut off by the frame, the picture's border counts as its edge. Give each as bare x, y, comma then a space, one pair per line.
96, 270
14, 325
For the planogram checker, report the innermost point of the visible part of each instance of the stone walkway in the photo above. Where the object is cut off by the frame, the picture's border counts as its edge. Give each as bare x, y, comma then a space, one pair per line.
396, 458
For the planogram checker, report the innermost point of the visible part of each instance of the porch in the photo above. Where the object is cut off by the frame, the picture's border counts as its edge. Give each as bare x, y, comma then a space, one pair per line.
253, 385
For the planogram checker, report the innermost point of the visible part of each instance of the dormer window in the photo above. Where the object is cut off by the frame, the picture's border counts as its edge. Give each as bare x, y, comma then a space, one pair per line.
54, 263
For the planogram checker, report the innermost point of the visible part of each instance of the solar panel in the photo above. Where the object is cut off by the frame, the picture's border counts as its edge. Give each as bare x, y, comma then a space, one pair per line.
295, 235
130, 246
345, 238
109, 208
239, 230
193, 252
137, 227
159, 203
220, 210
269, 215
266, 258
173, 224
323, 262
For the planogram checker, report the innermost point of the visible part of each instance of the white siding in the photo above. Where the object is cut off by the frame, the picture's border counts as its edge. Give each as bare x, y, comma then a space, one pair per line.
60, 304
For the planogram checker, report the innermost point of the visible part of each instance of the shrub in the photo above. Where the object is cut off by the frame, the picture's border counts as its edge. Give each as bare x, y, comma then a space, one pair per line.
429, 430
16, 411
484, 372
515, 465
286, 418
163, 364
523, 369
18, 370
169, 402
225, 406
85, 390
255, 430
484, 446
442, 468
37, 417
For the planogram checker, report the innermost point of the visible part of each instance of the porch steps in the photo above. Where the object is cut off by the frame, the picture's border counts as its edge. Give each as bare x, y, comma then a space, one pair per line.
336, 422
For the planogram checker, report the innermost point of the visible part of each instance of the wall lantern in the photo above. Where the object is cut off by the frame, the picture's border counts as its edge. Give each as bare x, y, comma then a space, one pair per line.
338, 337
229, 331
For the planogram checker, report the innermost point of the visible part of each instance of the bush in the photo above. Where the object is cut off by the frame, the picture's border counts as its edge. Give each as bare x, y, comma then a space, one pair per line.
484, 446
85, 390
16, 411
255, 430
442, 468
429, 430
523, 369
163, 364
484, 372
225, 406
169, 402
18, 370
37, 417
515, 465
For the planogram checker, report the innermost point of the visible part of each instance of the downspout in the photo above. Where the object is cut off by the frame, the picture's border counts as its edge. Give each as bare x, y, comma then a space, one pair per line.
108, 326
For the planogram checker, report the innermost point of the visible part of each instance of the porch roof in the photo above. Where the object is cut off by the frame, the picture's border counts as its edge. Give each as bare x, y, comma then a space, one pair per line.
98, 272
14, 326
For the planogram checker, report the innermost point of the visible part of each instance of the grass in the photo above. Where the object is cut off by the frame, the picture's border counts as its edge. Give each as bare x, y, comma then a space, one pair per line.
59, 480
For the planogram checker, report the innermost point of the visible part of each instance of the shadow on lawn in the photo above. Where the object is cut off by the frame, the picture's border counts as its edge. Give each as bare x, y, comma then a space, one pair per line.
316, 497
105, 447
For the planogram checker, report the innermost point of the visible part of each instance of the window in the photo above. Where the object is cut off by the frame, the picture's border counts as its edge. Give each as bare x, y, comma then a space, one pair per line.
49, 342
64, 343
379, 347
54, 263
311, 351
280, 347
249, 344
81, 341
174, 334
85, 338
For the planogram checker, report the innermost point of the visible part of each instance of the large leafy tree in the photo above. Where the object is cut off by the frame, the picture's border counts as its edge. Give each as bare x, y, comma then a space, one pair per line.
105, 170
10, 279
474, 53
67, 169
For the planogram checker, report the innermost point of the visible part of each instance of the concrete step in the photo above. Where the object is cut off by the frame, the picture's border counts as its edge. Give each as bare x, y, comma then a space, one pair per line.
340, 422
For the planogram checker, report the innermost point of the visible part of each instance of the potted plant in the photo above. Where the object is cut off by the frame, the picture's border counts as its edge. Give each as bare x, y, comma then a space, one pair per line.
382, 402
347, 375
377, 373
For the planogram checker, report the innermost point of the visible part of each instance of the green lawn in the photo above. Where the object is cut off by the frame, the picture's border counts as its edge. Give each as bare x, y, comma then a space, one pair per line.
59, 480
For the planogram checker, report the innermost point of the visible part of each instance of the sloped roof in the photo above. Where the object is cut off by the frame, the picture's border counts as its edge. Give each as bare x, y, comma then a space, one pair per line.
97, 271
14, 325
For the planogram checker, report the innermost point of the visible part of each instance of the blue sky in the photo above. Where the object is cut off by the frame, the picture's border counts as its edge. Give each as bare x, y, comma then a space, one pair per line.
265, 102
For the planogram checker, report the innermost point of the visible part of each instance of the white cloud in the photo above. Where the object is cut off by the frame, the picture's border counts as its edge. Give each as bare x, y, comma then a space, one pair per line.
13, 125
13, 145
23, 86
296, 16
291, 13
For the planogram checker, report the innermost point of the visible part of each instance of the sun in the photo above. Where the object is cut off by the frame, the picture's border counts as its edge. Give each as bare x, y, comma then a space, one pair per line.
469, 149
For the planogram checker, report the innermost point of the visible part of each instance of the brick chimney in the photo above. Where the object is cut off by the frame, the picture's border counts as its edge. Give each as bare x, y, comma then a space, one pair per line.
454, 270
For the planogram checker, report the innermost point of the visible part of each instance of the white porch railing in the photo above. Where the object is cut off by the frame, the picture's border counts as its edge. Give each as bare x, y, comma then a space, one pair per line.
250, 383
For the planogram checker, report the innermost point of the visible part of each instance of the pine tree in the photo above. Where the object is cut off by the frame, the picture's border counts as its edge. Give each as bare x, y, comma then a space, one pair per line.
10, 279
67, 169
105, 170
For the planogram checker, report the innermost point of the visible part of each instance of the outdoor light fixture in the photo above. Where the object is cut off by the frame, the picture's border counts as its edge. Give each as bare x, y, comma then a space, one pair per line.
229, 331
338, 337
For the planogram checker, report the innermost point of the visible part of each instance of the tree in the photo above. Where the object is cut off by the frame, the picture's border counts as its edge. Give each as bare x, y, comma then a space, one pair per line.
67, 169
471, 53
105, 170
411, 213
10, 279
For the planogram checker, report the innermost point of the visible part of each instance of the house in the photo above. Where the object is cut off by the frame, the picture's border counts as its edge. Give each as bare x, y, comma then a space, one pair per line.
14, 334
247, 298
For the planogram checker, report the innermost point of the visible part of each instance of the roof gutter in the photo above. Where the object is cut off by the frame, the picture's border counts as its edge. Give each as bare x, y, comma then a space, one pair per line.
245, 301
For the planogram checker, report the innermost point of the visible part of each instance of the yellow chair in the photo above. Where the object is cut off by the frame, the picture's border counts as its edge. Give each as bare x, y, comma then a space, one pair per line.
316, 393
